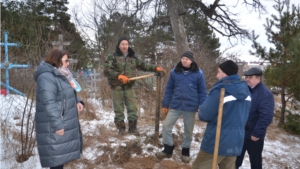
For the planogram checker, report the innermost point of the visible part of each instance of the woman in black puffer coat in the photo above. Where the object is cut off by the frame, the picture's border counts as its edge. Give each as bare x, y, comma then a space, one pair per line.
58, 134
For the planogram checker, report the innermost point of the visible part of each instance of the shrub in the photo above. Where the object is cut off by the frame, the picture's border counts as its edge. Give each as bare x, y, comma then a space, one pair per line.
292, 124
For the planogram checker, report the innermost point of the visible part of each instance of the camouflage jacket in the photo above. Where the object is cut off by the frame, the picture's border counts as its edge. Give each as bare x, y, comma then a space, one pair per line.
116, 64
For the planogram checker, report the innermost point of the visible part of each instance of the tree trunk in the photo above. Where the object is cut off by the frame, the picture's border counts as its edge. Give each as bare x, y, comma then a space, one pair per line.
177, 25
283, 104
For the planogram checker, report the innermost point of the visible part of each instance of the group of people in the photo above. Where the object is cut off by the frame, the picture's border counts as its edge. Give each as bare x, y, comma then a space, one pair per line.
248, 108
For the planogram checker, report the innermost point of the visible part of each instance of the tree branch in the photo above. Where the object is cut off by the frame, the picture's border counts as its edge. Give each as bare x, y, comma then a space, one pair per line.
219, 14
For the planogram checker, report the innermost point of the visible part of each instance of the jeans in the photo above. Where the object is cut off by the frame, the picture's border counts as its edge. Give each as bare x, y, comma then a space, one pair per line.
188, 120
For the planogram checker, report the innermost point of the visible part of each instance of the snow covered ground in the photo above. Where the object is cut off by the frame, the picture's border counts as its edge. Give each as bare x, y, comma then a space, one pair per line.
103, 147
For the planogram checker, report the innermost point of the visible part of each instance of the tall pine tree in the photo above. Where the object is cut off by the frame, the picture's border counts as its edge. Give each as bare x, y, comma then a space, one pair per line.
283, 32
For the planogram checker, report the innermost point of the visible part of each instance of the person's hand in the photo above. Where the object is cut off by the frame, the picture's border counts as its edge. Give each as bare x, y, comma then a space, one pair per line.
60, 132
72, 84
253, 138
161, 70
164, 112
123, 79
79, 107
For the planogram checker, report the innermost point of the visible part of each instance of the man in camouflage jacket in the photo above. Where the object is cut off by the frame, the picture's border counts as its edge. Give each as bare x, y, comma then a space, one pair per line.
118, 68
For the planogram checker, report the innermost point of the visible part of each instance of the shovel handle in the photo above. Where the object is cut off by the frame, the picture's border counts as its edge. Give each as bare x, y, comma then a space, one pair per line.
218, 130
141, 77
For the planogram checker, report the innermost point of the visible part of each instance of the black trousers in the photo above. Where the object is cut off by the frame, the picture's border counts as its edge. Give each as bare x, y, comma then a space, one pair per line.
57, 167
254, 149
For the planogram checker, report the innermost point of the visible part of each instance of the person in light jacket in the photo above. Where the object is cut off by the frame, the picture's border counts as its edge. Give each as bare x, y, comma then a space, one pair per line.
185, 92
58, 134
237, 103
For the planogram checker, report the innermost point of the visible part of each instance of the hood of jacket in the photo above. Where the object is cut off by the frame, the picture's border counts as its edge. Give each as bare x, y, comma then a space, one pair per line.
44, 67
232, 87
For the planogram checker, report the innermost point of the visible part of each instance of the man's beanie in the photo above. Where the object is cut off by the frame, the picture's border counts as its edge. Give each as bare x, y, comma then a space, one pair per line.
229, 67
122, 38
189, 55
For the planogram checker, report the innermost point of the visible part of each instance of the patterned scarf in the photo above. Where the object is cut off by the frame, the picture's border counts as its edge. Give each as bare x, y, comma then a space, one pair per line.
66, 72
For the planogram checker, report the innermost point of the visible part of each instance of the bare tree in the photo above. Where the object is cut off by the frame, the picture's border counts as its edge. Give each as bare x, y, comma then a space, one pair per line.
175, 8
218, 16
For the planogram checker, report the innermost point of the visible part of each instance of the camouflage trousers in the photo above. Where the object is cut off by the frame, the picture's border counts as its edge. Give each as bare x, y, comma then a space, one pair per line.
124, 97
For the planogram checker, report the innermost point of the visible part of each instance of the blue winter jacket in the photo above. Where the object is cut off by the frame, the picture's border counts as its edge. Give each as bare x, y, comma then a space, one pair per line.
56, 109
237, 102
261, 113
185, 91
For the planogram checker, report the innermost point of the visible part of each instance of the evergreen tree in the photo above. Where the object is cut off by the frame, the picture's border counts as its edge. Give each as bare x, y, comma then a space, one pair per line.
56, 10
283, 32
114, 26
35, 25
32, 35
200, 34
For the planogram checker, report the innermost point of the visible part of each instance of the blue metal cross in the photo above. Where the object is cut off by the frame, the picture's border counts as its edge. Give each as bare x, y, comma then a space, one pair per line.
6, 65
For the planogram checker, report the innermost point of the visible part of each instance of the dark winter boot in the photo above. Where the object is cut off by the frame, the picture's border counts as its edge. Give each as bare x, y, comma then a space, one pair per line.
121, 126
185, 158
132, 127
166, 153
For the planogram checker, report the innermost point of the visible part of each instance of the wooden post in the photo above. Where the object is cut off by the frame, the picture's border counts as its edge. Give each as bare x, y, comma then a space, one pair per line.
218, 131
158, 88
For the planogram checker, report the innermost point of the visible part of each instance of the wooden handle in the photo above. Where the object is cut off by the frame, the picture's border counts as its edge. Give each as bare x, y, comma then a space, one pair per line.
218, 131
141, 77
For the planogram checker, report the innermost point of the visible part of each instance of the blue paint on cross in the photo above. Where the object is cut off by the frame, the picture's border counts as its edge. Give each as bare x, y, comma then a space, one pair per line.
6, 65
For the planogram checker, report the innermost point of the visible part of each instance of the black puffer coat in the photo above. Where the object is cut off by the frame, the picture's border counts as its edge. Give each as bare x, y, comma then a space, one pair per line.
56, 109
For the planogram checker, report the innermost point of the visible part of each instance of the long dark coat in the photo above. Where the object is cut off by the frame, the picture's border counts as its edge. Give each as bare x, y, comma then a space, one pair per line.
56, 109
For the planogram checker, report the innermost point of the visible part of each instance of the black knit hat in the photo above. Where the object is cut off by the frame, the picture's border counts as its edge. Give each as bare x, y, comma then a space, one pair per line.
189, 55
122, 38
229, 67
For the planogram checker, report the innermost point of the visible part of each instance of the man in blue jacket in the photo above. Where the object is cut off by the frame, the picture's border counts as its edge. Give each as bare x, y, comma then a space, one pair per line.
260, 117
185, 92
237, 102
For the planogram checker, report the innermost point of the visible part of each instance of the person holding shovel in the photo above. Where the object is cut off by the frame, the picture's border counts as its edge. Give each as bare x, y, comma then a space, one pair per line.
236, 107
118, 68
185, 92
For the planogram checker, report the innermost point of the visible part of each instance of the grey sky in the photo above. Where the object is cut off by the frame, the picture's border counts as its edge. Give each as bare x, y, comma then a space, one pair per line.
252, 21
